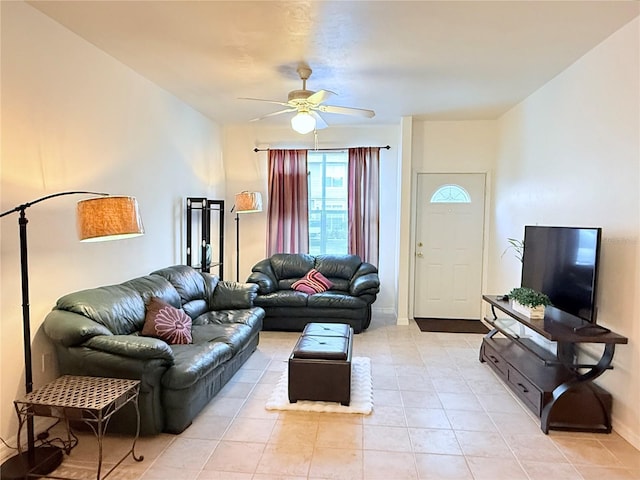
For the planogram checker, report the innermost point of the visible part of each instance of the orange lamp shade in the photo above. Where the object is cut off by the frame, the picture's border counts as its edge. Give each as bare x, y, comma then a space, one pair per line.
248, 202
108, 218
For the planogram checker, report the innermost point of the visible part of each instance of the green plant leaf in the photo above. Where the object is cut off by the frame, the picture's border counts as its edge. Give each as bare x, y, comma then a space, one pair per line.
529, 297
517, 246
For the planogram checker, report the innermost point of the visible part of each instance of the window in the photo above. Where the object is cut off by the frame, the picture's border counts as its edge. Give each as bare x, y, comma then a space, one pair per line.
328, 224
450, 194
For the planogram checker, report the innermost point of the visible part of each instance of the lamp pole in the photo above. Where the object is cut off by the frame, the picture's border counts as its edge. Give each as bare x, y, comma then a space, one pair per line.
237, 247
246, 202
43, 459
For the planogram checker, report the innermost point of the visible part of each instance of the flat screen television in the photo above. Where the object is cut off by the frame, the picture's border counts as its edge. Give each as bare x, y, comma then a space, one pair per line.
562, 262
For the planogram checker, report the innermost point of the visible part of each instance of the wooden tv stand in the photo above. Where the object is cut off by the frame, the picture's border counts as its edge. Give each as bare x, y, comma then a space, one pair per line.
553, 385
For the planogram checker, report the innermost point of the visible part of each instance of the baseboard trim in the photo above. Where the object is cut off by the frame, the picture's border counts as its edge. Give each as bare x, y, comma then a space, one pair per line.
627, 433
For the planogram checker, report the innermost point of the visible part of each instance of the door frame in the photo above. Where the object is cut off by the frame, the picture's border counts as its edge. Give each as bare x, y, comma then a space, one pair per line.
414, 231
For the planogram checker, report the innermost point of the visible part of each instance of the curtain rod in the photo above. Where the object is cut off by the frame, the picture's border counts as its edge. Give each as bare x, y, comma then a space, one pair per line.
318, 149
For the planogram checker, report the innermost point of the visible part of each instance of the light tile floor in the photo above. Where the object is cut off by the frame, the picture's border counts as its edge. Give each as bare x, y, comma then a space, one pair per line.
438, 414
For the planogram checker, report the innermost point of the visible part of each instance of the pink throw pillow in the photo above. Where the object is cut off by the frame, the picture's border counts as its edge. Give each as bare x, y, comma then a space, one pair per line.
312, 282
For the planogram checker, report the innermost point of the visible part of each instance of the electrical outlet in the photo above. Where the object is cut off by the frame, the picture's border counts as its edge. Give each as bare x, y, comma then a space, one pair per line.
47, 361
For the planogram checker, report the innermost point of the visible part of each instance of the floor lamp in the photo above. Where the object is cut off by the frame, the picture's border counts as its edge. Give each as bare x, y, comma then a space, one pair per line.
246, 202
103, 218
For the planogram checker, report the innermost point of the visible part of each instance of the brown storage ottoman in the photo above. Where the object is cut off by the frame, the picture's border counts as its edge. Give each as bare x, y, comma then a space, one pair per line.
320, 364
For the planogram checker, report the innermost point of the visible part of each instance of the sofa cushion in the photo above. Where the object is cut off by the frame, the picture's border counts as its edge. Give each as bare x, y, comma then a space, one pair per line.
191, 287
282, 298
155, 286
119, 308
303, 286
338, 266
166, 322
192, 362
291, 266
232, 296
332, 299
340, 284
235, 335
248, 316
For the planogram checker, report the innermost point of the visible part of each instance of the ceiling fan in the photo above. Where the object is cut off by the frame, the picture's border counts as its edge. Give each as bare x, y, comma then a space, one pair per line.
307, 104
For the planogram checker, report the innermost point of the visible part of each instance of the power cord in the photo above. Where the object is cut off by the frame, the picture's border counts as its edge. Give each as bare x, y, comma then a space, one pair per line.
66, 445
44, 440
7, 445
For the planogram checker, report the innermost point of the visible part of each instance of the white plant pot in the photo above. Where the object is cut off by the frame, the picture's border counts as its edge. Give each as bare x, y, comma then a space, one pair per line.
535, 312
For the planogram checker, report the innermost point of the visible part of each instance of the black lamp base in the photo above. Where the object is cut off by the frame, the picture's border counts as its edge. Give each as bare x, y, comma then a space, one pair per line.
44, 460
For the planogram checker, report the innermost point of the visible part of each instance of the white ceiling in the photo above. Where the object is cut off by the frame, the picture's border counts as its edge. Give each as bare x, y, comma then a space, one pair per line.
433, 59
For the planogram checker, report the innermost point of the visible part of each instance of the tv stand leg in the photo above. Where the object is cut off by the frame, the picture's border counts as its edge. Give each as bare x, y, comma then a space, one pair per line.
489, 334
581, 381
566, 353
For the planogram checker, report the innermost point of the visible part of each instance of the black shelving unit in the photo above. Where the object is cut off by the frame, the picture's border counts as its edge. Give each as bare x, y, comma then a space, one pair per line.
200, 211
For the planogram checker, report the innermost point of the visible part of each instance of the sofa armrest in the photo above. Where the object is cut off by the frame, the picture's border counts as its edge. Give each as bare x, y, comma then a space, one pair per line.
70, 329
265, 283
132, 346
233, 295
365, 269
365, 284
262, 274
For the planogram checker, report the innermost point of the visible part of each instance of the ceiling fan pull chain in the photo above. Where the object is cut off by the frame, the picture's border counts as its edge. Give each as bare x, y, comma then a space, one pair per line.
315, 139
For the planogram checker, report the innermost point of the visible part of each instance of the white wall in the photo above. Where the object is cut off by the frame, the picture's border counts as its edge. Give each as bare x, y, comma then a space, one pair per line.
454, 146
246, 170
73, 118
570, 155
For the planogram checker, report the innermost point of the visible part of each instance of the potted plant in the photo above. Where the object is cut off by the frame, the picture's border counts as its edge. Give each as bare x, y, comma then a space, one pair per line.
529, 302
517, 246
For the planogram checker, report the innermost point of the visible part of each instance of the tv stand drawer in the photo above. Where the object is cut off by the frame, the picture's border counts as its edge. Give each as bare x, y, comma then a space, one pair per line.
491, 356
525, 389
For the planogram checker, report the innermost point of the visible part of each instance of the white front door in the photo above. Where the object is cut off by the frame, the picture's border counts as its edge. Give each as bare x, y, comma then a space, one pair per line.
449, 245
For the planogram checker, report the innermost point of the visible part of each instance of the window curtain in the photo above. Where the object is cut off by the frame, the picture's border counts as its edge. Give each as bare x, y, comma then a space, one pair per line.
363, 202
288, 214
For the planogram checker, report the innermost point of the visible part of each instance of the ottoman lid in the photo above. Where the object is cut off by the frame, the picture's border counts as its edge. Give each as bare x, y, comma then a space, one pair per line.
321, 348
327, 329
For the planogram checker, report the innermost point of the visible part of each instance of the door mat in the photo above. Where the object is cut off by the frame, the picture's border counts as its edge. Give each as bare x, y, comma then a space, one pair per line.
361, 393
451, 325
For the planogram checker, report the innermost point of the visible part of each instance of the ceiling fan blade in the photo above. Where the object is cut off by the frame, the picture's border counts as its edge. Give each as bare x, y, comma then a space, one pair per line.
320, 96
279, 112
360, 112
320, 123
267, 101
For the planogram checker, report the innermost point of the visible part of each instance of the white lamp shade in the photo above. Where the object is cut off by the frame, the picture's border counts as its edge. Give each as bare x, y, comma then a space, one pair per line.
303, 122
108, 218
248, 202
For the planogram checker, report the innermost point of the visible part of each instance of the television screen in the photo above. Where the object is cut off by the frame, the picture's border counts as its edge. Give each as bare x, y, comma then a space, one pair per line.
562, 262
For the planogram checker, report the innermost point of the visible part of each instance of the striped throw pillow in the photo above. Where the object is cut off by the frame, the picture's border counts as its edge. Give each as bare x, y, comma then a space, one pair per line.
312, 282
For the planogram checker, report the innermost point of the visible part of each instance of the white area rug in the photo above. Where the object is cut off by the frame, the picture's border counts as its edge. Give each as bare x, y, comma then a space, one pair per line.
361, 393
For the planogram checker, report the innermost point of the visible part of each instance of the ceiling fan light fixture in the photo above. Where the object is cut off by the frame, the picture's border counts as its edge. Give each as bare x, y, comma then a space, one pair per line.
303, 122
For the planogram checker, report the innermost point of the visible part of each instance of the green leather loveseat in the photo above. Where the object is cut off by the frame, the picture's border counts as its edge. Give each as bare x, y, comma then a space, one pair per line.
97, 332
354, 287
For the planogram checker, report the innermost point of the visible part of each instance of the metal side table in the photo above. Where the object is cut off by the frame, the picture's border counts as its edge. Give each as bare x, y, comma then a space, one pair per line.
92, 400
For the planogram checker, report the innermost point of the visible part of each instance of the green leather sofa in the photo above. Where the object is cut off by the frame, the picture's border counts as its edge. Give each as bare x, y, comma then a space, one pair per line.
355, 287
96, 332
